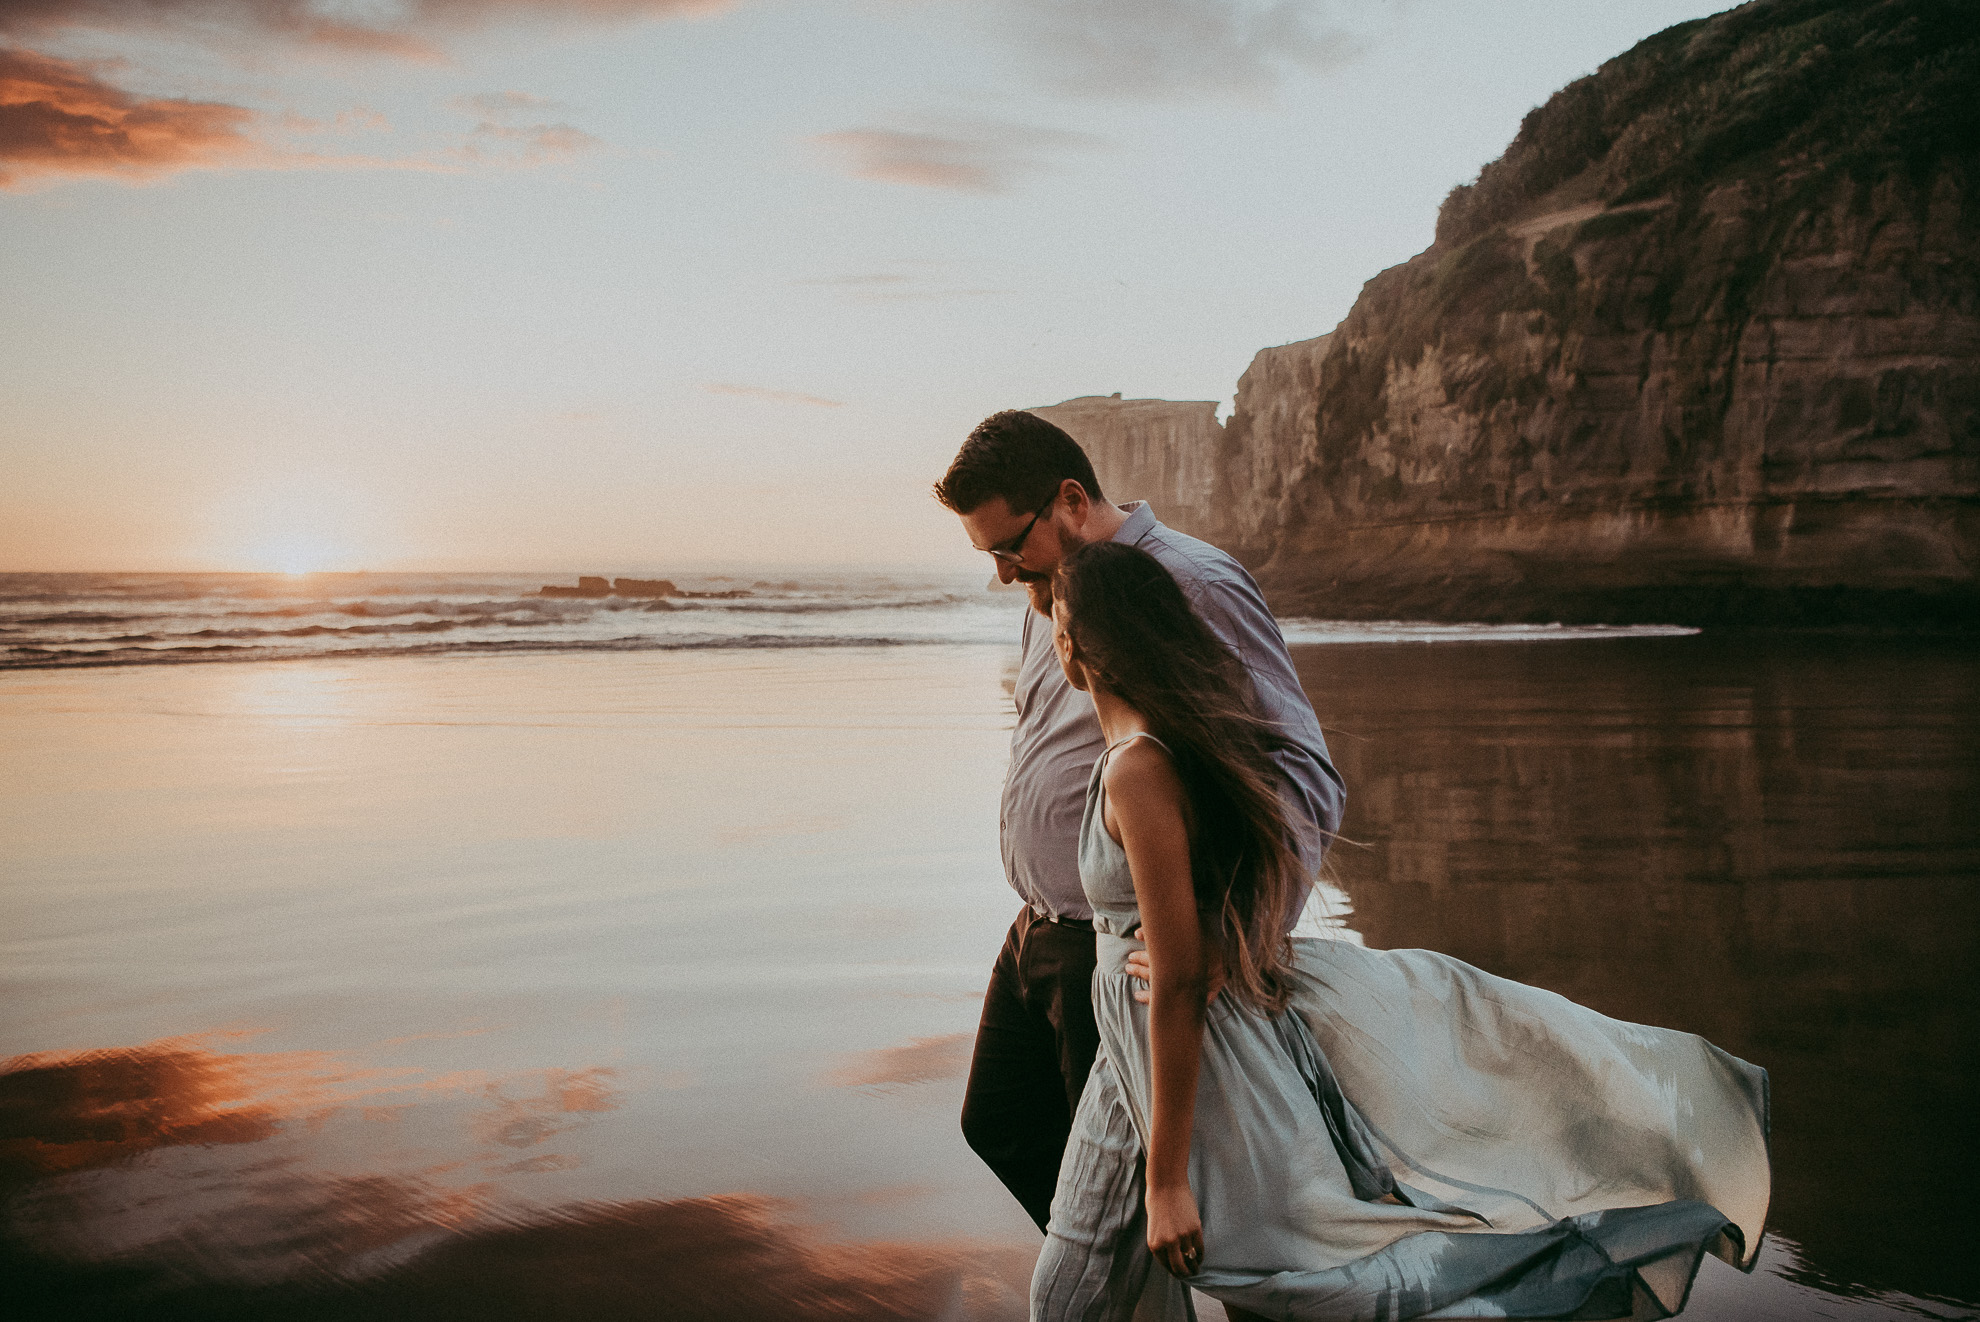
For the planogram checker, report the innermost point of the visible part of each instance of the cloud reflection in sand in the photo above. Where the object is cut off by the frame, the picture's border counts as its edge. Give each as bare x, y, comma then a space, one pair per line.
181, 1152
181, 1178
923, 1060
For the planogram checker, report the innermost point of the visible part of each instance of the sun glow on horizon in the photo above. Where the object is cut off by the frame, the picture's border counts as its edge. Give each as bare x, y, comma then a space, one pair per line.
297, 527
301, 556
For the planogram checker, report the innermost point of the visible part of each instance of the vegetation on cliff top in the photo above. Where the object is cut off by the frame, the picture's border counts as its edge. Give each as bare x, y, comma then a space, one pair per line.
1864, 87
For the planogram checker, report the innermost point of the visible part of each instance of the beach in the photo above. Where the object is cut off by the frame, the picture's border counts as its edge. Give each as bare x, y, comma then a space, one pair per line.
372, 958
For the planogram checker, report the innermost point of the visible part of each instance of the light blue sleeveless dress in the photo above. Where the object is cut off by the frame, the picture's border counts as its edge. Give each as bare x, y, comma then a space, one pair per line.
1411, 1138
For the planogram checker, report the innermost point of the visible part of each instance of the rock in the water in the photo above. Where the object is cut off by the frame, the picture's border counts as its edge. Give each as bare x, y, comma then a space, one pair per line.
586, 587
645, 587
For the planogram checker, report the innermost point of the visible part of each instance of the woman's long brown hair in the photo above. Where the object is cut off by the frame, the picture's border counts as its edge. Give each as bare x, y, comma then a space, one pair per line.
1137, 635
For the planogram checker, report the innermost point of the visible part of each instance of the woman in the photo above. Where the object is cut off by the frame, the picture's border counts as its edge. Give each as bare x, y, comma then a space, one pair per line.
1343, 1133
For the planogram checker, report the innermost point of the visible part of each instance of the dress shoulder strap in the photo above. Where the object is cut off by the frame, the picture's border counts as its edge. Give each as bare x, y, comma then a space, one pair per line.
1138, 734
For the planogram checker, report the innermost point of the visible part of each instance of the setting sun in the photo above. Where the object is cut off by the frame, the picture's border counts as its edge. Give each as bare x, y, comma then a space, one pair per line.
295, 526
298, 553
302, 556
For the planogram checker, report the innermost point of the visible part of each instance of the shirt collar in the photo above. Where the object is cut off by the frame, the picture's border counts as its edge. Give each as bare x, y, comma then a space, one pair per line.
1141, 521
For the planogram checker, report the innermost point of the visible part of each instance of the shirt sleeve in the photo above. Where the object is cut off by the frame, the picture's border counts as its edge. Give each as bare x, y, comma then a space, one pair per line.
1316, 797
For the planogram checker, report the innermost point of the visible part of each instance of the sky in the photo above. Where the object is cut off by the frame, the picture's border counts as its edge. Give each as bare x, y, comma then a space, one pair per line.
625, 286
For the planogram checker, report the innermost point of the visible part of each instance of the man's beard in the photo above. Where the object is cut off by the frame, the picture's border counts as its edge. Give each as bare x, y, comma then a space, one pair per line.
1040, 585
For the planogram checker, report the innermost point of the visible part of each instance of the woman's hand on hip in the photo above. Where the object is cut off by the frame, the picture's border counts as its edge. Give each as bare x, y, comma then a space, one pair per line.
1175, 1230
1137, 967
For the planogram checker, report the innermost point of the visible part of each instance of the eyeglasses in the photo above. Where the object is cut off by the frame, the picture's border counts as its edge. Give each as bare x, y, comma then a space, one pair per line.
1012, 552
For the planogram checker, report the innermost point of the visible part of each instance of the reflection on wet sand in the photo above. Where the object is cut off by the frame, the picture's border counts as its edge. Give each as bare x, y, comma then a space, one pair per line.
100, 1222
923, 1060
1771, 842
729, 1257
101, 1107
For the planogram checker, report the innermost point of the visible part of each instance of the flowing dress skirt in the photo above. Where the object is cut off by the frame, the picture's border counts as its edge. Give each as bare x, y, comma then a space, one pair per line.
1414, 1138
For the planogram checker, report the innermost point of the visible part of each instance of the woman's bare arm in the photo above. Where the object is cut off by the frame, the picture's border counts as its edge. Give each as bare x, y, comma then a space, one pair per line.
1148, 805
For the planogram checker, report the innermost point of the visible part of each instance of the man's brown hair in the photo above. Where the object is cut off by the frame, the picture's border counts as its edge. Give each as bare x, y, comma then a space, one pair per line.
1018, 456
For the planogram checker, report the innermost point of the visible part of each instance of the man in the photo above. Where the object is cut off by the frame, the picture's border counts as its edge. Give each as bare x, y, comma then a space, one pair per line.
1027, 496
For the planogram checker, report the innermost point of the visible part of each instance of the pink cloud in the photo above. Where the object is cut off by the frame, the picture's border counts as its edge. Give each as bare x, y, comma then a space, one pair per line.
503, 103
775, 396
64, 118
410, 29
531, 144
58, 118
962, 156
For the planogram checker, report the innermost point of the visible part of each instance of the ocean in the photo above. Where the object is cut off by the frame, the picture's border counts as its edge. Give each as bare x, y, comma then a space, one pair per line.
57, 620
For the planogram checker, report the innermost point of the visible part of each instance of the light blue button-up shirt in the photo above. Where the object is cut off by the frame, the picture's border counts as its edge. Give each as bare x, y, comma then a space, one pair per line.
1058, 736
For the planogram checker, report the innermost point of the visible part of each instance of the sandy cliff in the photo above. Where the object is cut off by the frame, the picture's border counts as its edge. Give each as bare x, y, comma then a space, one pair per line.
1703, 345
1150, 445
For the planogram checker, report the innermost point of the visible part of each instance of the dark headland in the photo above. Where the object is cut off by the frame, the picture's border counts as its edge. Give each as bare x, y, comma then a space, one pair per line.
1703, 346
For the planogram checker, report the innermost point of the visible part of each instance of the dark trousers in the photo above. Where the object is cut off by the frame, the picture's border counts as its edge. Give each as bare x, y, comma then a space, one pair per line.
1034, 1047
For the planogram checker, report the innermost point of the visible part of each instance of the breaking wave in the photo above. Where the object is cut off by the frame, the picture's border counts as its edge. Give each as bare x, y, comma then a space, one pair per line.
60, 658
52, 621
66, 621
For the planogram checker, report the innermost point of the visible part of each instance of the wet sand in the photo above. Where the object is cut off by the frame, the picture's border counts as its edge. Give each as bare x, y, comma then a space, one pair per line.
506, 986
1767, 840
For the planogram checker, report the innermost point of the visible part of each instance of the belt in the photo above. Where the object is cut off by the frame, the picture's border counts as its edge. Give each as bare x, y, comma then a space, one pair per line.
1061, 920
